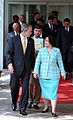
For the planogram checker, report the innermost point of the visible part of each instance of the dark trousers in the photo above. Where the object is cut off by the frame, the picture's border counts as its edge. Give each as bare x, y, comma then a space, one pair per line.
68, 64
15, 84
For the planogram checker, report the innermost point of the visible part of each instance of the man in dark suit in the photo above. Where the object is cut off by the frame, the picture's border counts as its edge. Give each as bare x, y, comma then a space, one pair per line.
34, 21
21, 21
49, 28
36, 17
10, 27
55, 15
64, 42
20, 58
16, 30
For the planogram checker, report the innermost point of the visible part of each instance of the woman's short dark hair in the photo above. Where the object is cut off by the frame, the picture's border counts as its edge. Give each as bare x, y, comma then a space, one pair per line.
52, 40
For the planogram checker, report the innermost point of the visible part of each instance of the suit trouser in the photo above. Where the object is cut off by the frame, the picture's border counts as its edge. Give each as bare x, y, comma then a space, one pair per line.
68, 65
15, 84
34, 83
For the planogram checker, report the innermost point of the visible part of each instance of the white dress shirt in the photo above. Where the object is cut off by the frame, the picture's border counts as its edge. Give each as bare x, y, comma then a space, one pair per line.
16, 33
22, 39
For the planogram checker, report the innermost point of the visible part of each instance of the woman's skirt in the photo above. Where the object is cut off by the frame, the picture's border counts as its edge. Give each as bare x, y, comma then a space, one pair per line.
49, 88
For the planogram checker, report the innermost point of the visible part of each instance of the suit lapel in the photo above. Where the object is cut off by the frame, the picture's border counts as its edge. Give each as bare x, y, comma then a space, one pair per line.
20, 44
28, 45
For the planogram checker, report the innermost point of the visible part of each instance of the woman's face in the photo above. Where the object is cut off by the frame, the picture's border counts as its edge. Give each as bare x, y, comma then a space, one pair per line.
46, 42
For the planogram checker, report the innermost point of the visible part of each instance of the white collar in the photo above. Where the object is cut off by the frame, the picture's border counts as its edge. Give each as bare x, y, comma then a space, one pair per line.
67, 28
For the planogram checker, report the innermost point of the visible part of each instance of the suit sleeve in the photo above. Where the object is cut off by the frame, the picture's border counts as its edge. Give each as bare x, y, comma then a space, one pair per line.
33, 54
9, 51
60, 63
58, 38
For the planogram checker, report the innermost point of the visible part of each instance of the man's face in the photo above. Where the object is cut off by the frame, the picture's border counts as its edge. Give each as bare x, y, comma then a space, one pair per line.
37, 32
16, 19
50, 21
66, 24
37, 16
22, 19
16, 28
28, 32
39, 22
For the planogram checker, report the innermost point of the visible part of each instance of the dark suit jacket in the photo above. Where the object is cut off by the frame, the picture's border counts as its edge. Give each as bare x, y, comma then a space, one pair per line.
15, 55
11, 34
64, 41
33, 23
47, 31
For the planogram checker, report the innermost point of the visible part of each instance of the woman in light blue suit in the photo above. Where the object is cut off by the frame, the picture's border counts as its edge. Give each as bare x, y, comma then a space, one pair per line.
48, 67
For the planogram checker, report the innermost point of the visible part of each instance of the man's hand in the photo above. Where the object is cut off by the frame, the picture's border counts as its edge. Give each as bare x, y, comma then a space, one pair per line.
31, 71
35, 75
10, 68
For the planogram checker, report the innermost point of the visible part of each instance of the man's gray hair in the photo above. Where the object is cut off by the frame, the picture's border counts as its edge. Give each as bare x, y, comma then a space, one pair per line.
14, 25
25, 27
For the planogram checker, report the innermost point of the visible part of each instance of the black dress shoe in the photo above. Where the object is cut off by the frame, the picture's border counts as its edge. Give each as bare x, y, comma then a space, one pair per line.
14, 106
35, 107
23, 112
54, 114
44, 111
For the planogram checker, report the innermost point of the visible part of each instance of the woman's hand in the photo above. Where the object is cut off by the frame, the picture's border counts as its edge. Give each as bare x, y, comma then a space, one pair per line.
35, 75
64, 77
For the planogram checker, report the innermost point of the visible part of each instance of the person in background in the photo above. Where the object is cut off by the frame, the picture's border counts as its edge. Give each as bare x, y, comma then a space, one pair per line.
34, 21
16, 30
20, 59
15, 19
49, 28
35, 99
40, 21
55, 15
21, 21
48, 66
64, 41
55, 23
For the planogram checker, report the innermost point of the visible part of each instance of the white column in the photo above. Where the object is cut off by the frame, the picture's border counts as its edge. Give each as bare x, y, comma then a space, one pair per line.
1, 33
27, 13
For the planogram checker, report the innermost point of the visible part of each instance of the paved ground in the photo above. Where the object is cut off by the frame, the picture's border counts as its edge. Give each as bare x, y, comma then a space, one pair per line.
64, 111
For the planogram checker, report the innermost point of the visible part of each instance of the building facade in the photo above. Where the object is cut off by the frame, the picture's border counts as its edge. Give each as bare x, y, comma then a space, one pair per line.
9, 8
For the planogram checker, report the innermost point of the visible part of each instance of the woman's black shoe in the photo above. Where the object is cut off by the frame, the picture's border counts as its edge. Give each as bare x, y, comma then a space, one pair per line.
54, 114
44, 111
